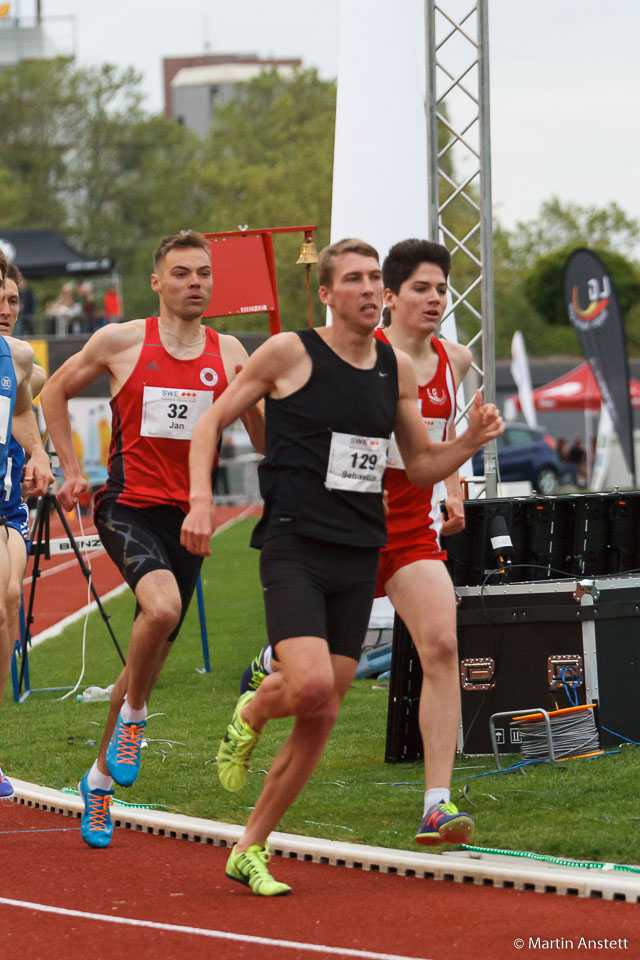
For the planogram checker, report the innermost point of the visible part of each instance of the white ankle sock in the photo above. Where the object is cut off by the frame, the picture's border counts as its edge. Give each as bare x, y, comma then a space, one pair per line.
436, 795
97, 780
129, 715
266, 659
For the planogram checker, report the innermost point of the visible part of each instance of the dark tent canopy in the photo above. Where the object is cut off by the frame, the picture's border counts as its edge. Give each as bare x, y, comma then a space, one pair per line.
46, 253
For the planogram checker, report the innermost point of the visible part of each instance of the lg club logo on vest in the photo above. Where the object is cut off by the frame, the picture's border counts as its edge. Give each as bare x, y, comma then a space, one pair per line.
208, 377
435, 396
5, 383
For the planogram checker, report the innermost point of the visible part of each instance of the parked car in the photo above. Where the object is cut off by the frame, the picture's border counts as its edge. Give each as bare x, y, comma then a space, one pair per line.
525, 453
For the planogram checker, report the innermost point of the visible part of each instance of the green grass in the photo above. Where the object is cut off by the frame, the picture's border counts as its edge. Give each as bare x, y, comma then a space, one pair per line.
583, 809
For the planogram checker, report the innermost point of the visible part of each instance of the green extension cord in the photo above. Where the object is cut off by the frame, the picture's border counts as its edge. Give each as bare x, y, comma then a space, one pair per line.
586, 864
121, 803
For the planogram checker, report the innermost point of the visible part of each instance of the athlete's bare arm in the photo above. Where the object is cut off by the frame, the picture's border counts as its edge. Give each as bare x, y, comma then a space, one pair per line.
38, 380
460, 359
113, 349
234, 357
278, 367
37, 472
427, 462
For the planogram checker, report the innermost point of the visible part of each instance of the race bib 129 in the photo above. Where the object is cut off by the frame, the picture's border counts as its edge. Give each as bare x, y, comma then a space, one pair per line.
356, 463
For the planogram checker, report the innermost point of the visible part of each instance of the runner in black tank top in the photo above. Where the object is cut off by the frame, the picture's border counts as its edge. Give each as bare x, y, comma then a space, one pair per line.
326, 439
337, 398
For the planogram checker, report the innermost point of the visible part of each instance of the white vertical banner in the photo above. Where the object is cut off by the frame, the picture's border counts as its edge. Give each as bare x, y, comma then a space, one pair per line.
522, 377
380, 153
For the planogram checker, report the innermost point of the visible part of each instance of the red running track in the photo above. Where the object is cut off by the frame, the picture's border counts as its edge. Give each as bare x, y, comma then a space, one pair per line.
145, 880
62, 589
162, 899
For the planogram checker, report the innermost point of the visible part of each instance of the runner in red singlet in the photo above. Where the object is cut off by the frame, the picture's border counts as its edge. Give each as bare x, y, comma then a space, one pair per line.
412, 571
165, 372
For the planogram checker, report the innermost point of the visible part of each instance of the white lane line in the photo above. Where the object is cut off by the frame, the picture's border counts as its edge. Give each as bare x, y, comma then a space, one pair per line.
66, 565
202, 932
60, 567
56, 629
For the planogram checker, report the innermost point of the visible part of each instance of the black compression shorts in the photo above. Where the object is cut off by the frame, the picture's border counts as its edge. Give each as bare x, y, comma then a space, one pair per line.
313, 588
140, 541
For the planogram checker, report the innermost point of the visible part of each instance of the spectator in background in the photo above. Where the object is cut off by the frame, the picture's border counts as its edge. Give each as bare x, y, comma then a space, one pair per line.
66, 312
90, 319
569, 469
28, 305
111, 305
577, 455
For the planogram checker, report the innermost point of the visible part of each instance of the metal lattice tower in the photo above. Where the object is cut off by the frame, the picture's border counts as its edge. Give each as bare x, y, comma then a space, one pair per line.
459, 151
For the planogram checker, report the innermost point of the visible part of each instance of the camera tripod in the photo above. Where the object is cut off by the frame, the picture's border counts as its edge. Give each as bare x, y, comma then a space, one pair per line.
41, 547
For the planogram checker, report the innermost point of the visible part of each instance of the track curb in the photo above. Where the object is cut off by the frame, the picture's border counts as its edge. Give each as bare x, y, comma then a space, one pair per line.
460, 866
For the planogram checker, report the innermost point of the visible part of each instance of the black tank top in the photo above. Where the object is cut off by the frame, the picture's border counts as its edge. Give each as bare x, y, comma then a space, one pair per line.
337, 398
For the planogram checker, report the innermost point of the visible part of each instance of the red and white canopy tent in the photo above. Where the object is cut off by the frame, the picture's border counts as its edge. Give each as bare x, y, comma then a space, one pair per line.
575, 390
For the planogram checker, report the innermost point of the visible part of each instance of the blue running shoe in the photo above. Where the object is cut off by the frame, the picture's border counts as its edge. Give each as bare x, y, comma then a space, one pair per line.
254, 674
443, 823
6, 789
123, 752
95, 826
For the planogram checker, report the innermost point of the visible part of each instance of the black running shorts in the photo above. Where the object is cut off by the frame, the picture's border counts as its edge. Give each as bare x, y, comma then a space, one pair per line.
313, 588
140, 541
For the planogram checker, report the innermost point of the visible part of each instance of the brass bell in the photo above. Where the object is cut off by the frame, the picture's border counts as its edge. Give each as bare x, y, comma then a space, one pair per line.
308, 252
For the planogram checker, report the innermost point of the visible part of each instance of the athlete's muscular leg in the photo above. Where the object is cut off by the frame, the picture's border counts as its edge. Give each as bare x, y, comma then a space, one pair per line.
160, 608
6, 641
423, 596
302, 686
306, 665
18, 562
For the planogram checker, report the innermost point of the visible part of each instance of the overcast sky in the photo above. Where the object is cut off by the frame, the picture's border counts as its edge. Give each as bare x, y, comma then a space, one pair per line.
565, 79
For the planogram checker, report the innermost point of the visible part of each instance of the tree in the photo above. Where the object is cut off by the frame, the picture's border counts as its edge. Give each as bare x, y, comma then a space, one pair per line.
529, 263
38, 103
268, 163
570, 224
79, 154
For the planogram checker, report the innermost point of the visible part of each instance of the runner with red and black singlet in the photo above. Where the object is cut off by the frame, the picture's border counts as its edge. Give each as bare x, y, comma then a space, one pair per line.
164, 372
157, 405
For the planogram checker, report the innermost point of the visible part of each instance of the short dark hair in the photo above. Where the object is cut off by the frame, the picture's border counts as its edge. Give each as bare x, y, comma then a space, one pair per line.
328, 256
3, 265
407, 255
184, 239
12, 273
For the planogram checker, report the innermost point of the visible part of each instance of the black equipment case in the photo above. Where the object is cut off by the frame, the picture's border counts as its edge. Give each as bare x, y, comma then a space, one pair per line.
546, 644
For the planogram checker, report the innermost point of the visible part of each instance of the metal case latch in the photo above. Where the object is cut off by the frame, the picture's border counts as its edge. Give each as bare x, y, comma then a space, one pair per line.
477, 673
565, 670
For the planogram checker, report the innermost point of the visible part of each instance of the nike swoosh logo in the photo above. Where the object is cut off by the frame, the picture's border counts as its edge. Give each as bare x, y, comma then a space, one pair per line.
380, 374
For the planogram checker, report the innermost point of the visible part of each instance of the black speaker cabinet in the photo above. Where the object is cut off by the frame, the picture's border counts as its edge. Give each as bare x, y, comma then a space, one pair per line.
526, 645
577, 535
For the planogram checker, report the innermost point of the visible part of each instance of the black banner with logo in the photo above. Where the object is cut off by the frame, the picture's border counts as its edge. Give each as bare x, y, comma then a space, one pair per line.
594, 313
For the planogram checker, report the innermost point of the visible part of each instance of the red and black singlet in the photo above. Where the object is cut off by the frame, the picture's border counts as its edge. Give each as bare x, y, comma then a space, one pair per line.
153, 416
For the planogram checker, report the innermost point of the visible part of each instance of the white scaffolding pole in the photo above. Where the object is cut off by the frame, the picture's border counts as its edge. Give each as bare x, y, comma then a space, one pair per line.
459, 164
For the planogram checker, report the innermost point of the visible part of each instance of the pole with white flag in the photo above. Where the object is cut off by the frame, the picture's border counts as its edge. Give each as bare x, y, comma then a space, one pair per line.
522, 377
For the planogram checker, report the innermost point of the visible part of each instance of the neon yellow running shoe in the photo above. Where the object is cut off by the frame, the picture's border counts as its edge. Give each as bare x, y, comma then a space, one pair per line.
236, 748
250, 869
